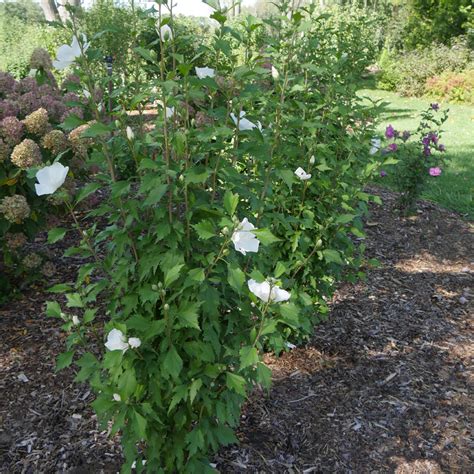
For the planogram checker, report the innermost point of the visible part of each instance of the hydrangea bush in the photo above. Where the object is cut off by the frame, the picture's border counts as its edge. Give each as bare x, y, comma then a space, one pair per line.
418, 156
228, 219
30, 109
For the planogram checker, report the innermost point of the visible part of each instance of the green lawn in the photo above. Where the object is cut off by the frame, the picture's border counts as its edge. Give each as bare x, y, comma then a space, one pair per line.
454, 189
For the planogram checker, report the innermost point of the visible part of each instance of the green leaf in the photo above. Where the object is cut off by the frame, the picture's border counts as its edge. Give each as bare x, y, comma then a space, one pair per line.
225, 435
205, 230
89, 315
248, 356
55, 235
74, 300
264, 375
230, 202
235, 277
280, 269
172, 274
86, 191
194, 389
53, 309
59, 288
145, 54
332, 256
265, 236
236, 383
140, 425
127, 383
188, 315
64, 360
155, 195
345, 218
195, 441
172, 363
95, 130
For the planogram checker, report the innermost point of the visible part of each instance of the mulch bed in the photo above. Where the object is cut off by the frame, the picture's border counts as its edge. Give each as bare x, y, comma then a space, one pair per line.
384, 386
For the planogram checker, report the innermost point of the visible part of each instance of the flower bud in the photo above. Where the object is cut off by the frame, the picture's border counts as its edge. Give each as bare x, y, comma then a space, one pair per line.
160, 285
275, 73
130, 134
225, 252
312, 160
118, 124
225, 231
166, 307
75, 320
181, 178
154, 287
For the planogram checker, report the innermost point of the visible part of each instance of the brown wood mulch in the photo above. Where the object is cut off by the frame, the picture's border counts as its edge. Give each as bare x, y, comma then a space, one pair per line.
384, 386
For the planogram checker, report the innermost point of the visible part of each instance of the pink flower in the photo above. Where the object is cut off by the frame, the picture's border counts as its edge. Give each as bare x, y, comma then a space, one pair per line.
383, 174
392, 147
435, 171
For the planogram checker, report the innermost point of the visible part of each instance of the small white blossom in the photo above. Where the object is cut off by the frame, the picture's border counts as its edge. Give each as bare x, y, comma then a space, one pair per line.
117, 397
50, 178
301, 173
169, 112
268, 292
134, 342
275, 73
244, 239
312, 160
116, 341
165, 33
203, 72
75, 320
376, 144
67, 54
130, 134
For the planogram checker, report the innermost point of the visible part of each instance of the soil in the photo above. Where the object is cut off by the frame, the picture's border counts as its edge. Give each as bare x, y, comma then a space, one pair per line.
385, 385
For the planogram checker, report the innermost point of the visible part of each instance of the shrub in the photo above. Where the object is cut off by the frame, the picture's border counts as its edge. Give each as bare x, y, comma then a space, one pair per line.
452, 86
244, 191
408, 73
29, 111
417, 155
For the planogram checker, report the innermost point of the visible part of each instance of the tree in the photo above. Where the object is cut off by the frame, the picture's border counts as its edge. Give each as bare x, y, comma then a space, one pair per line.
55, 11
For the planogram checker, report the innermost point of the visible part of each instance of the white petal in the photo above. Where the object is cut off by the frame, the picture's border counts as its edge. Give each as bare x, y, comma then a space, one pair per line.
279, 295
134, 342
116, 341
117, 397
203, 72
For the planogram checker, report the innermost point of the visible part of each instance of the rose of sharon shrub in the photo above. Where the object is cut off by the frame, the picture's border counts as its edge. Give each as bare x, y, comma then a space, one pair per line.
224, 236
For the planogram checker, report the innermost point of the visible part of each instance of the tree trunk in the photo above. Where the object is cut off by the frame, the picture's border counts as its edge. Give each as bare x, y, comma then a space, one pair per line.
50, 10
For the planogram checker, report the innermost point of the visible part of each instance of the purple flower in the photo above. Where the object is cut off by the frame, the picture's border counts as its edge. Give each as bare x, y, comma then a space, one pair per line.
435, 171
441, 147
434, 138
427, 151
406, 135
383, 174
434, 106
389, 132
392, 147
426, 140
8, 108
7, 84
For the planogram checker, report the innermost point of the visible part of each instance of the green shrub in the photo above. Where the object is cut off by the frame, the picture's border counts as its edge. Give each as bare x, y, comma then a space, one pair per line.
408, 72
452, 86
187, 324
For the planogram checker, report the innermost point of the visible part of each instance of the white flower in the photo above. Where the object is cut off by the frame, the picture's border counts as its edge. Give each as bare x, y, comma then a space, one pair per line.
165, 33
290, 345
275, 73
244, 239
169, 112
75, 320
86, 93
301, 173
312, 160
245, 124
67, 54
376, 144
203, 72
134, 342
130, 134
116, 341
268, 292
117, 397
50, 178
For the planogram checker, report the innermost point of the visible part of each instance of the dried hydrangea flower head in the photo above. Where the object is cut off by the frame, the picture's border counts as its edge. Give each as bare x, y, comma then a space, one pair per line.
26, 154
15, 240
8, 108
40, 59
37, 123
79, 144
49, 269
4, 150
12, 130
55, 141
15, 208
7, 84
32, 260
